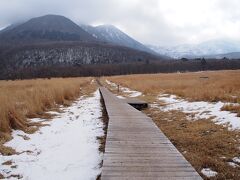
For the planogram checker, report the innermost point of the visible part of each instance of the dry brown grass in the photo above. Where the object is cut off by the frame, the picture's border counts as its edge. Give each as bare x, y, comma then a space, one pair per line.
203, 143
220, 85
232, 107
20, 100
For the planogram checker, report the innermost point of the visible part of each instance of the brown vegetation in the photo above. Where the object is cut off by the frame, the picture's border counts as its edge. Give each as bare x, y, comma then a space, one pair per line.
200, 86
232, 107
203, 143
25, 99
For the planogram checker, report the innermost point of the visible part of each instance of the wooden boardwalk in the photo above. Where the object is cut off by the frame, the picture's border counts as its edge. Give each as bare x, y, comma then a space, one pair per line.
137, 149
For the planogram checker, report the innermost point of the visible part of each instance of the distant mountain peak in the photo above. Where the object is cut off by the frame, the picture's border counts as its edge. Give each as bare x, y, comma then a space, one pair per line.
111, 34
106, 26
54, 28
46, 28
211, 48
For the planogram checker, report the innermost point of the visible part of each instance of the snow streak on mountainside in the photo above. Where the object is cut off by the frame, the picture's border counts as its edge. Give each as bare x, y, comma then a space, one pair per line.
213, 48
111, 34
71, 54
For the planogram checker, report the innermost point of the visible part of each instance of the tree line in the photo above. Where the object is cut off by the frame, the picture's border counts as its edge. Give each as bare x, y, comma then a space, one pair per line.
169, 66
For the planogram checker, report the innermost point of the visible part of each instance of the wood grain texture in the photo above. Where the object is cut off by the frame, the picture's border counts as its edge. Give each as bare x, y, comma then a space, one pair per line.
136, 148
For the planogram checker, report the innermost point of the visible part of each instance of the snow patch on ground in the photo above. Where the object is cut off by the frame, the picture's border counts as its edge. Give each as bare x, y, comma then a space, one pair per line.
232, 164
129, 92
66, 149
235, 163
208, 172
111, 84
121, 97
236, 159
92, 81
201, 110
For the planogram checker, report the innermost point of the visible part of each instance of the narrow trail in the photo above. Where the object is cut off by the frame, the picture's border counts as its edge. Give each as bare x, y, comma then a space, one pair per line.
137, 149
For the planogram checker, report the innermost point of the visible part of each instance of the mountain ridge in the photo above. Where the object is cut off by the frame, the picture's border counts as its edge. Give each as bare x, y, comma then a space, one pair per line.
45, 28
110, 34
59, 28
53, 40
208, 48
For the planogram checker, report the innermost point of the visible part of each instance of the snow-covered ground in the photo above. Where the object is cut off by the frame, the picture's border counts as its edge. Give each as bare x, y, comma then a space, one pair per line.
208, 172
236, 159
66, 149
129, 92
201, 110
232, 164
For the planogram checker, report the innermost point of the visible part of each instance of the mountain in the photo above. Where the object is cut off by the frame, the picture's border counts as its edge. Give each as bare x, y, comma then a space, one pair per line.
113, 35
12, 26
55, 41
44, 29
68, 54
50, 28
209, 48
233, 55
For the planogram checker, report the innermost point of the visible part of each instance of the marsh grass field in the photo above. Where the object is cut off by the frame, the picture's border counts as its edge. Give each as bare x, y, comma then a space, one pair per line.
204, 143
24, 99
207, 86
210, 86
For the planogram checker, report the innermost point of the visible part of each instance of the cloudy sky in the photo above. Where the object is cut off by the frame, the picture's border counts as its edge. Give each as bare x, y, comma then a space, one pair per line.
159, 22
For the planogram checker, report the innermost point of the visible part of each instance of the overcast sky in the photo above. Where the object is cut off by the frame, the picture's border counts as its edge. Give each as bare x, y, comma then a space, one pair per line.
159, 22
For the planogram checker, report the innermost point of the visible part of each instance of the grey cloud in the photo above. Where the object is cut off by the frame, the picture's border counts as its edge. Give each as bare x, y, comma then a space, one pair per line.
142, 19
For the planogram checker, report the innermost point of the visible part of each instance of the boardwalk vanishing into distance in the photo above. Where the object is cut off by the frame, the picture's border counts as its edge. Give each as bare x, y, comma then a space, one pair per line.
137, 149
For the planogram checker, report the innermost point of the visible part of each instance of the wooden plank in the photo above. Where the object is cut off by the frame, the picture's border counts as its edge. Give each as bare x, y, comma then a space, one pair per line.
151, 178
135, 147
149, 174
149, 169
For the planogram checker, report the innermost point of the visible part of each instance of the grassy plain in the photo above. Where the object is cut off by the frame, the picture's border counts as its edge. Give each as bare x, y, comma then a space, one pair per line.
24, 99
203, 143
206, 86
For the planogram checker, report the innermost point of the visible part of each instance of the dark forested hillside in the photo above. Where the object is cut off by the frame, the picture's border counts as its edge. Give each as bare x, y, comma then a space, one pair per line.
68, 54
118, 69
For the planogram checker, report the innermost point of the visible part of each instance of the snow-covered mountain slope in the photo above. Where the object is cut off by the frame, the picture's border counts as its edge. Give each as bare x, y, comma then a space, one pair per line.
111, 34
233, 55
214, 47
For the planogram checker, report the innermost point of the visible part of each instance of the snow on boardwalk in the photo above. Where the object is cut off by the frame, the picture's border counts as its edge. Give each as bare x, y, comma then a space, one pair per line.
67, 149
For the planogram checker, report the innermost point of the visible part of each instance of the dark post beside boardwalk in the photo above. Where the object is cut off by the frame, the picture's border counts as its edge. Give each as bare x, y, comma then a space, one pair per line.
137, 149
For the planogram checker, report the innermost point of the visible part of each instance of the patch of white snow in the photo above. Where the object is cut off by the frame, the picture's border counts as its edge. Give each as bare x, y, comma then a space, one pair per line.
236, 159
232, 164
201, 110
129, 92
66, 149
121, 97
208, 172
